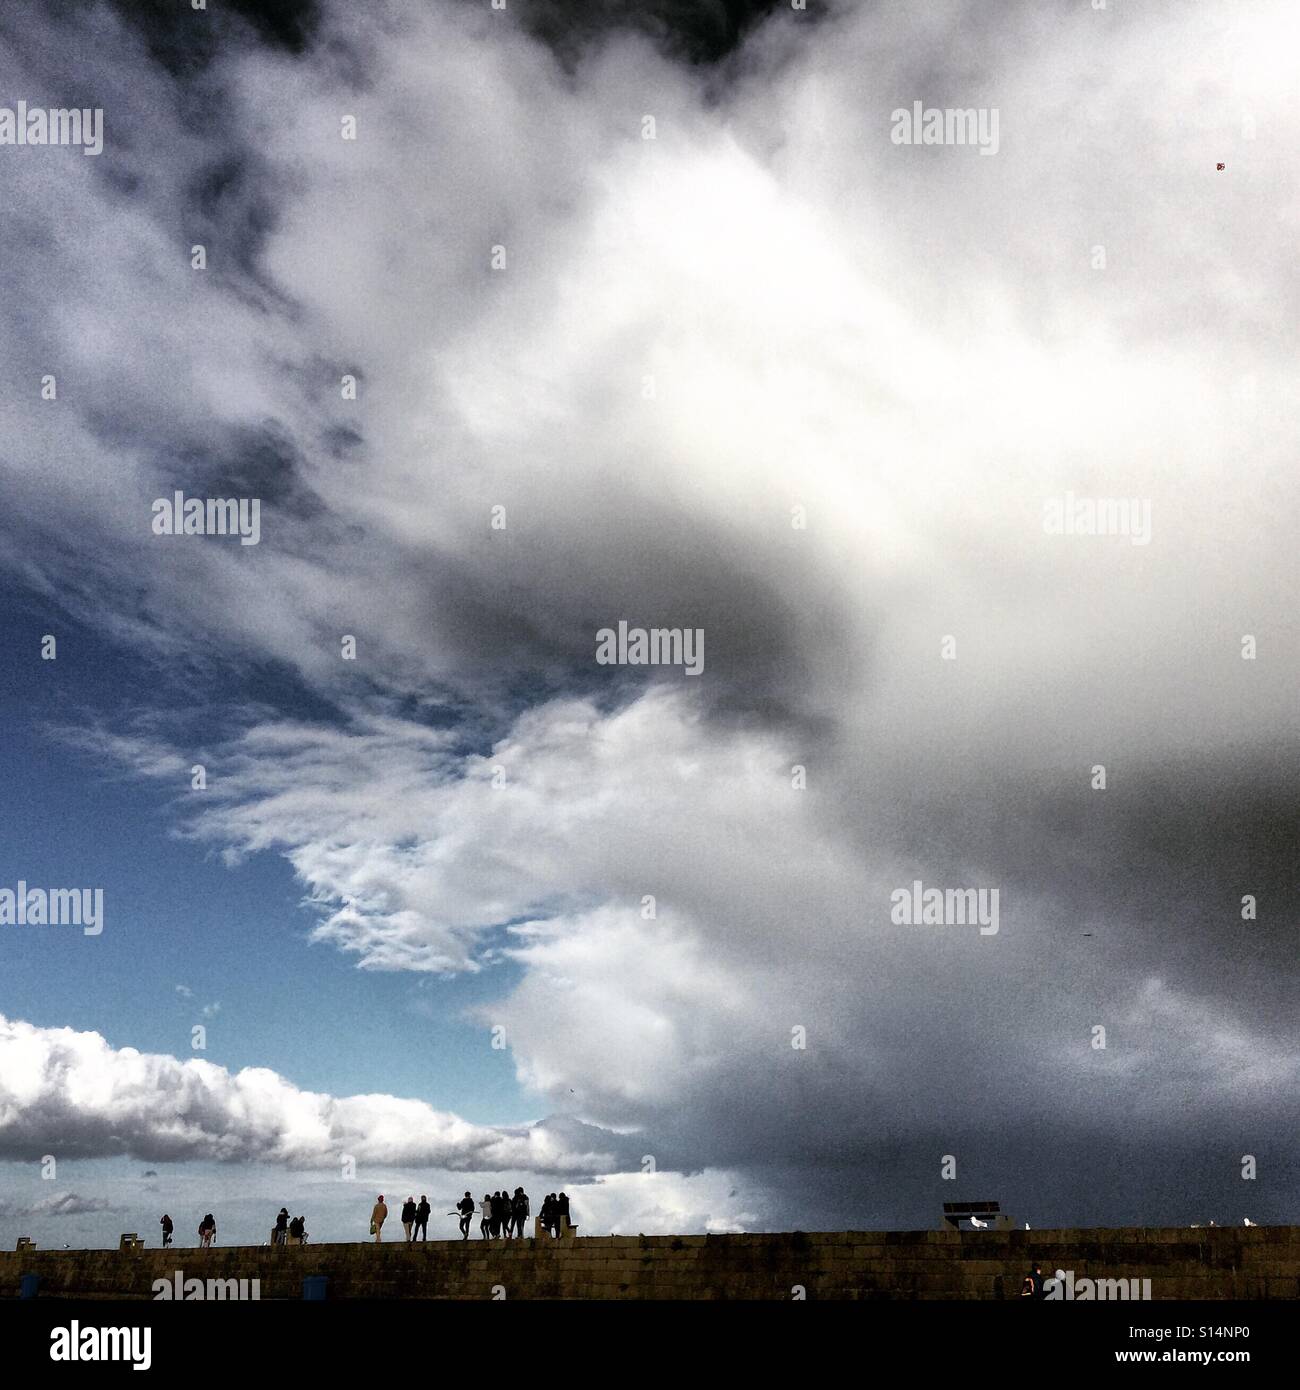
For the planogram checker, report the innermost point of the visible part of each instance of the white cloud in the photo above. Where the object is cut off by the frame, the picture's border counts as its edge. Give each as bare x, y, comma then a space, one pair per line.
653, 1203
97, 1100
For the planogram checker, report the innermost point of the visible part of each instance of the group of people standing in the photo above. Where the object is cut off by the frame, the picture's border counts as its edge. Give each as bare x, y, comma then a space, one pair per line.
500, 1214
415, 1219
506, 1216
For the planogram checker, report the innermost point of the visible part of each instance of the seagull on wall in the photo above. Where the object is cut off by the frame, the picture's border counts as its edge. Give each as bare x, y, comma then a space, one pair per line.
977, 1223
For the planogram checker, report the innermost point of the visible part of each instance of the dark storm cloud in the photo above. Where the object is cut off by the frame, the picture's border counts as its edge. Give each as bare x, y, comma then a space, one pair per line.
699, 31
184, 40
210, 183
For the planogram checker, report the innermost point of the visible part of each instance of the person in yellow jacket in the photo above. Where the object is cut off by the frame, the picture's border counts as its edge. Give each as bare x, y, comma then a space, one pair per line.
377, 1219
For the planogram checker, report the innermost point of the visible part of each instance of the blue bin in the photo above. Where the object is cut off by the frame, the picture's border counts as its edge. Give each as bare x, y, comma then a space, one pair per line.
313, 1288
29, 1285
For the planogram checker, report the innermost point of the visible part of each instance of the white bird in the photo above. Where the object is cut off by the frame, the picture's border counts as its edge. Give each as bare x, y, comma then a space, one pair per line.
977, 1223
1248, 1221
1026, 1225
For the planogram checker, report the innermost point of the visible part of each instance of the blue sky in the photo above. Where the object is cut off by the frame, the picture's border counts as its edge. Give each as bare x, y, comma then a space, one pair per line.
233, 936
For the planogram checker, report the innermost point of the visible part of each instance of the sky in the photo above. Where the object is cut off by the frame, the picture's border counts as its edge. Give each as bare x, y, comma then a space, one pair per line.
523, 323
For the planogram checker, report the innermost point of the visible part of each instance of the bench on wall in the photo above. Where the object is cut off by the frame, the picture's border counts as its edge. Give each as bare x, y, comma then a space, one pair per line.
989, 1213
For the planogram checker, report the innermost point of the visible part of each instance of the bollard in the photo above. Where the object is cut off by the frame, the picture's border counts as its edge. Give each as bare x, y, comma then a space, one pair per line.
29, 1285
313, 1288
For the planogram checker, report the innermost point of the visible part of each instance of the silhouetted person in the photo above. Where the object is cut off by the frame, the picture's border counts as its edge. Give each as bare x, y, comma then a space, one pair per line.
507, 1215
378, 1215
519, 1210
466, 1208
486, 1210
281, 1233
207, 1230
297, 1231
496, 1215
408, 1217
422, 1218
166, 1224
547, 1214
1033, 1285
561, 1213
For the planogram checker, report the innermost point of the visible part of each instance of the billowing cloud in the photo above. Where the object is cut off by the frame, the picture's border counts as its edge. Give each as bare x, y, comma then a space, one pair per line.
72, 1093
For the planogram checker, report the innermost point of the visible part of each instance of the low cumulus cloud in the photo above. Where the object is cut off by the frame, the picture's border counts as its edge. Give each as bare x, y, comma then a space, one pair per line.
72, 1092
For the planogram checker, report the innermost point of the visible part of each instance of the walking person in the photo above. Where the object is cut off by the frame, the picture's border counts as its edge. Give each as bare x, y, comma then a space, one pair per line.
519, 1210
166, 1224
422, 1219
466, 1209
408, 1217
378, 1215
485, 1225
